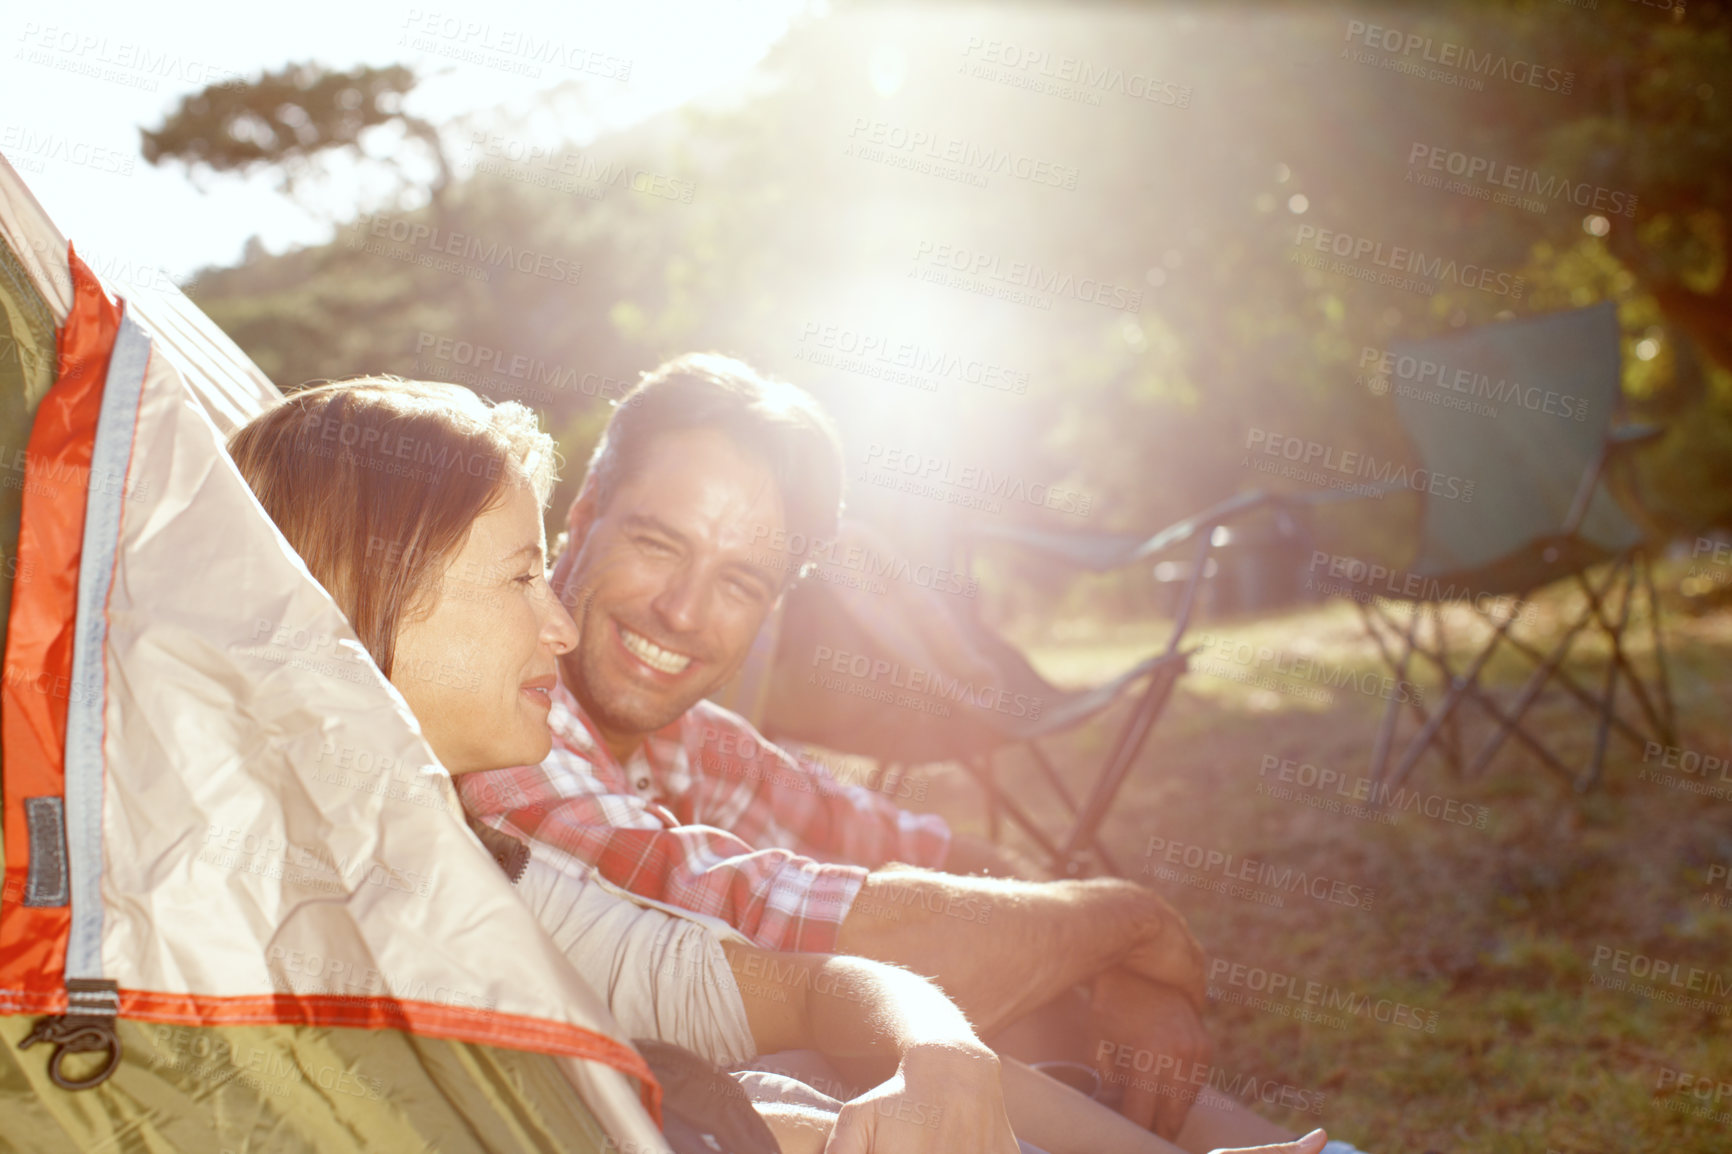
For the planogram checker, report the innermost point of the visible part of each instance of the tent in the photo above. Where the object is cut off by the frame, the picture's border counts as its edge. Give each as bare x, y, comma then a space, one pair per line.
234, 871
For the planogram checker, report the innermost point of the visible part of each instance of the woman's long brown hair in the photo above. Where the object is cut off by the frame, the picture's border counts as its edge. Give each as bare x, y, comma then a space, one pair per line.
376, 482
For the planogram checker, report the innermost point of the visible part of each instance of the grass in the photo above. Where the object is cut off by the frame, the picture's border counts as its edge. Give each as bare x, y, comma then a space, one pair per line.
1491, 934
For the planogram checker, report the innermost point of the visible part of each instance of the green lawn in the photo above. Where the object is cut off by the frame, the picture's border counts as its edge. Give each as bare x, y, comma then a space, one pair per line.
1486, 938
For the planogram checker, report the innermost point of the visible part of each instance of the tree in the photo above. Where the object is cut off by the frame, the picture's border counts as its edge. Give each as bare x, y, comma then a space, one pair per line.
290, 119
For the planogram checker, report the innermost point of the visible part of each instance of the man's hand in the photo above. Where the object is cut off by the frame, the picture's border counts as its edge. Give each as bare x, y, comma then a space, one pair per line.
1172, 956
1150, 1041
942, 1100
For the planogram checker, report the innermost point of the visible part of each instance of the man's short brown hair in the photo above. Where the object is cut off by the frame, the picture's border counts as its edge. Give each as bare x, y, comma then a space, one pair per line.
772, 421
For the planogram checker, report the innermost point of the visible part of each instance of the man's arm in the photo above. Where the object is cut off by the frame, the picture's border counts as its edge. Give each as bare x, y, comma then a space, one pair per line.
1001, 948
949, 1093
945, 1094
975, 855
775, 897
776, 799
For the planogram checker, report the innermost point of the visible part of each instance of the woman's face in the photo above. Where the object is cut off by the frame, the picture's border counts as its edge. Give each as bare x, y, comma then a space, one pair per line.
478, 670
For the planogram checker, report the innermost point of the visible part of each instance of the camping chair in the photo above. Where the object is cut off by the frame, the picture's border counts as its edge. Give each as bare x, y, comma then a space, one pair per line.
1540, 514
821, 619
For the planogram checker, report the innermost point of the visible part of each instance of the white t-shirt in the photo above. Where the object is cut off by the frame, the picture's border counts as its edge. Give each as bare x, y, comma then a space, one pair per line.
660, 969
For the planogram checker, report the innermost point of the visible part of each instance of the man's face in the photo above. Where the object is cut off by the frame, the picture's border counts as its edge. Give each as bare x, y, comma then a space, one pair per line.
663, 583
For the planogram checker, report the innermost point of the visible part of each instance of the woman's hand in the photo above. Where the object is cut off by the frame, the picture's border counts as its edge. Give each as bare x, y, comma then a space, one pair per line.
942, 1100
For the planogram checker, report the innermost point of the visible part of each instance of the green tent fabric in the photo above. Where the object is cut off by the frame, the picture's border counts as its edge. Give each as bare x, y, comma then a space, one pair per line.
26, 372
283, 1089
281, 1086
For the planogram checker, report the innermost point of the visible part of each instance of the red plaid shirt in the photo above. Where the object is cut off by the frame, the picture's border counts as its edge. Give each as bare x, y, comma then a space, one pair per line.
710, 817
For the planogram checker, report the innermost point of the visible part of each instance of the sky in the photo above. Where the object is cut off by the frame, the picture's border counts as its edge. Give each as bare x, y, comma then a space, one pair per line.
78, 82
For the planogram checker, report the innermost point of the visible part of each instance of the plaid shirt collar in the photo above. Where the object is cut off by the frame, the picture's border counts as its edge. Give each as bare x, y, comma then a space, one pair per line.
659, 770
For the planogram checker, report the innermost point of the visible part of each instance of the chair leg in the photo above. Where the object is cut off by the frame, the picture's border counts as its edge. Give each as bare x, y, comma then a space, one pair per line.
981, 768
986, 770
1668, 711
1458, 688
1636, 689
1386, 728
1051, 773
1568, 683
1148, 707
1450, 736
1608, 696
1510, 724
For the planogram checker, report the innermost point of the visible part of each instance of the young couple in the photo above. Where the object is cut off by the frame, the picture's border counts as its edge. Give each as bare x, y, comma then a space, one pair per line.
444, 568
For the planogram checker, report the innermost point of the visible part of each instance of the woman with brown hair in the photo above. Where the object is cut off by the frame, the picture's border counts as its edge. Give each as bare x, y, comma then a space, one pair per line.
419, 506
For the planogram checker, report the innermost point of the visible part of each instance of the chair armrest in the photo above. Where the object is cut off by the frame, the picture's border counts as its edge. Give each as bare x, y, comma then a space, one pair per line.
1629, 436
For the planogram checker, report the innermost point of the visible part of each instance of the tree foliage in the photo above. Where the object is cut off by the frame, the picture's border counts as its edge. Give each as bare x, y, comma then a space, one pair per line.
790, 225
289, 120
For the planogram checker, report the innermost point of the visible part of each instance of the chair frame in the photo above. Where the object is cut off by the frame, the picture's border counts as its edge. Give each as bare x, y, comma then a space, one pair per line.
1631, 570
1149, 692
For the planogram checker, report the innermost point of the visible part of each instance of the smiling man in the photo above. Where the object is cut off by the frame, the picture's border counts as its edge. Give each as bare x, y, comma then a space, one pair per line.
681, 801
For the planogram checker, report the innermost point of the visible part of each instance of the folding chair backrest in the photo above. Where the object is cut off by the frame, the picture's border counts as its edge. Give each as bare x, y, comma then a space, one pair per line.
1518, 411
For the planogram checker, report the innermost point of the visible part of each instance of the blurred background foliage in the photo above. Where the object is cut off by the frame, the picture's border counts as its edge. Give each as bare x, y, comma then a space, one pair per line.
750, 223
